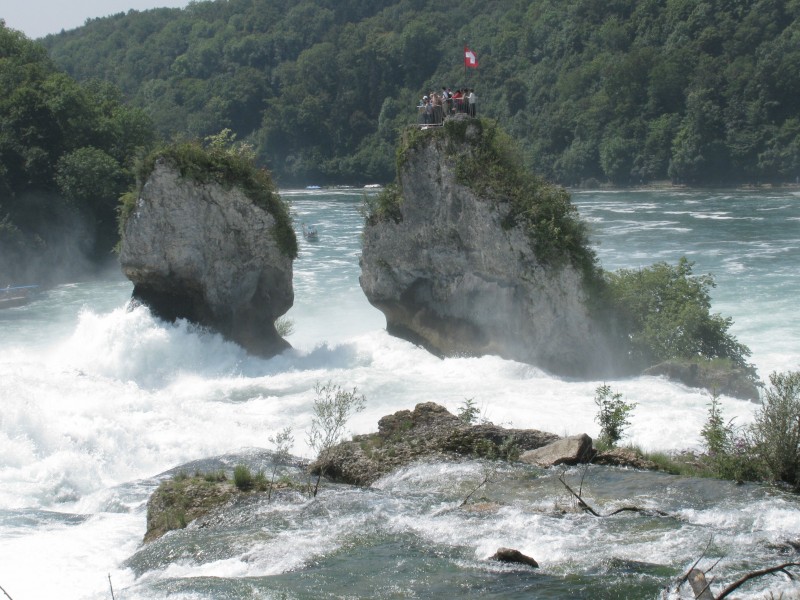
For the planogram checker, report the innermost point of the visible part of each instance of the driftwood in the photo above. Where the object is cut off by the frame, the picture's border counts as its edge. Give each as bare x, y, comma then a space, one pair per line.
582, 504
700, 587
486, 479
754, 574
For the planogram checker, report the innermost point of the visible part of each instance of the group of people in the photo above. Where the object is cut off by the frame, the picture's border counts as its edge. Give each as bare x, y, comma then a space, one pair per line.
434, 107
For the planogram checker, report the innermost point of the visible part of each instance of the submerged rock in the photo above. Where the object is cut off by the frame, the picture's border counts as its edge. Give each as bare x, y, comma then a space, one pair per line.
510, 555
209, 254
456, 268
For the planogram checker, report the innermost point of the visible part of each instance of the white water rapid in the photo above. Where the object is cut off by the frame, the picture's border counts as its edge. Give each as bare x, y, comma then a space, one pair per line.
96, 401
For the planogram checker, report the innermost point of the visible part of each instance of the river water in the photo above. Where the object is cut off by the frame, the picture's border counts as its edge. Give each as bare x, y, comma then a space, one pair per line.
97, 403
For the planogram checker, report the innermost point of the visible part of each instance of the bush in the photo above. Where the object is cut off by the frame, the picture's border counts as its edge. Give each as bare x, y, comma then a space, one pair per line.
664, 313
468, 412
243, 478
716, 433
729, 454
282, 442
776, 428
612, 416
284, 326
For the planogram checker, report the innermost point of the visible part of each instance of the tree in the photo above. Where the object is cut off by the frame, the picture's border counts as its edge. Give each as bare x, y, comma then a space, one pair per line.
332, 408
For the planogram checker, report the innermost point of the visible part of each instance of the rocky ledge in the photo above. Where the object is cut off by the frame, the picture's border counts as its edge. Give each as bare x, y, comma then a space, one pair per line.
431, 432
207, 253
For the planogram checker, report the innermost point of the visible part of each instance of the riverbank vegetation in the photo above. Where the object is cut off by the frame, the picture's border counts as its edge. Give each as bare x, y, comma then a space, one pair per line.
699, 92
767, 450
67, 152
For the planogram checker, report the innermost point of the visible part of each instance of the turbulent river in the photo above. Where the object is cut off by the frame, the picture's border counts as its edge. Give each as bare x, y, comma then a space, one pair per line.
98, 403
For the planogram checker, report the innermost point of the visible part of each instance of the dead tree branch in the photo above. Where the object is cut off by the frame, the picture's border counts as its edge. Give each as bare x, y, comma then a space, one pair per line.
486, 480
685, 578
6, 593
753, 574
582, 504
577, 496
700, 587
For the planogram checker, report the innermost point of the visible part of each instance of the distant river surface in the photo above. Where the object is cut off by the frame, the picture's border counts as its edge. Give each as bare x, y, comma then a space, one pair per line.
98, 402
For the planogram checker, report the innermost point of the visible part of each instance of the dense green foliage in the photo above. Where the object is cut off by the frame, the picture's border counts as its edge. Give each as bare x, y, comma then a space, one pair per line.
229, 164
664, 313
66, 154
699, 91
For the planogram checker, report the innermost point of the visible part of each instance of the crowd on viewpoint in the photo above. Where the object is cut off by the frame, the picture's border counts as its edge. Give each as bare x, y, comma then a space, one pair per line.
434, 107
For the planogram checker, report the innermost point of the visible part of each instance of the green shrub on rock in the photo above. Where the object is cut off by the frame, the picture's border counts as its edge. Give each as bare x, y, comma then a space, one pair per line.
776, 428
663, 313
225, 163
243, 477
612, 415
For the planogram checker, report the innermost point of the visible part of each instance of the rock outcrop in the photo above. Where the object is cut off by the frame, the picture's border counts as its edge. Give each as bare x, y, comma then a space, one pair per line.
428, 432
177, 502
208, 253
453, 273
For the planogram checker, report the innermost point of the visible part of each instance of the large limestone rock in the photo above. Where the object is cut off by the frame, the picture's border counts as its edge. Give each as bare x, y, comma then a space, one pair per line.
451, 276
566, 451
208, 254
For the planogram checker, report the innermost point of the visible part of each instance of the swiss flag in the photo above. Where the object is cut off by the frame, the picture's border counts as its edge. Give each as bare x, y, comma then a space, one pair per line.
470, 60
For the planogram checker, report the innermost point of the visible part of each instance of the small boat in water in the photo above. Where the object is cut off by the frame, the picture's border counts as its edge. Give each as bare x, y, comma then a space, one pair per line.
19, 295
310, 233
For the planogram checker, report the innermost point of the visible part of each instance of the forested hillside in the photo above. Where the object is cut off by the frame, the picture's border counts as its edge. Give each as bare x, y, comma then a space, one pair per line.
66, 155
620, 91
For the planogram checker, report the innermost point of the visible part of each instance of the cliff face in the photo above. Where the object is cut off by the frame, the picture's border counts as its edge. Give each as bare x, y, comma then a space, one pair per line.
208, 254
450, 274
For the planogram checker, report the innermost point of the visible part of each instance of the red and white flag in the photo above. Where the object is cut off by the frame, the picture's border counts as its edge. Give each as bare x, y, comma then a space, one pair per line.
470, 60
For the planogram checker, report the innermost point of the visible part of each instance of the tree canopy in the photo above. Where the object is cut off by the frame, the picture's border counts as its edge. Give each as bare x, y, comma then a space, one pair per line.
66, 152
618, 91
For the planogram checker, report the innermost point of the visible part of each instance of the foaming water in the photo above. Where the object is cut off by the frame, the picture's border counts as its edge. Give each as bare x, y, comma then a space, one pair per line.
98, 399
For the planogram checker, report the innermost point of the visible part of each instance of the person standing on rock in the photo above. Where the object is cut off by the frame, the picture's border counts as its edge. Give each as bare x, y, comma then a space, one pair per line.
472, 99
